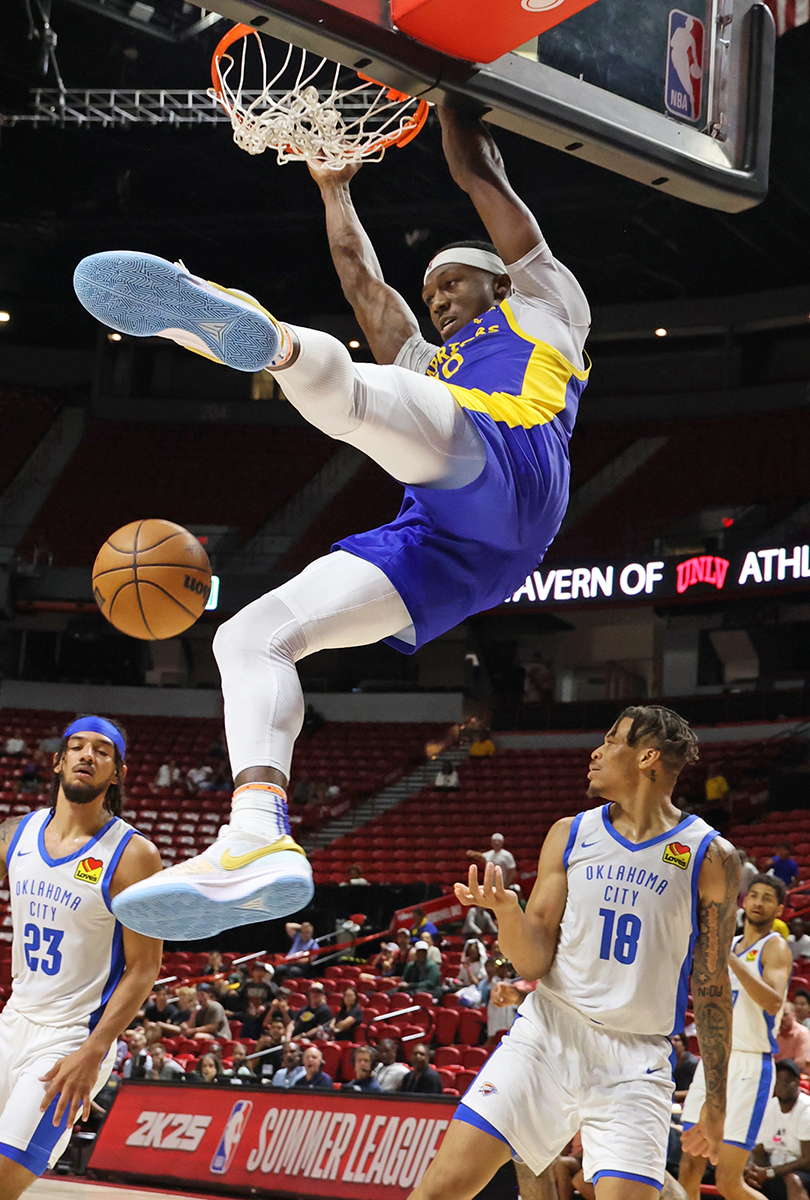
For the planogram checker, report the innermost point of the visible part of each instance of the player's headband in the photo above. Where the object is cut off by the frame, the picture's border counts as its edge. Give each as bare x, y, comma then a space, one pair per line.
98, 725
470, 256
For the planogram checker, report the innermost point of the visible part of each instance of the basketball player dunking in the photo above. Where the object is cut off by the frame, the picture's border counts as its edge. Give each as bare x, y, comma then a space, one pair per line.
476, 430
760, 964
628, 896
78, 976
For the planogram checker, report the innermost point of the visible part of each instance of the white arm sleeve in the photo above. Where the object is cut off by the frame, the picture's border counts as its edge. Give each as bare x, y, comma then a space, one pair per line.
549, 303
416, 354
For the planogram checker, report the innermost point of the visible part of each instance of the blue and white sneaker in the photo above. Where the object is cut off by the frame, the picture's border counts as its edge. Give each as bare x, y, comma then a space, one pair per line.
239, 879
146, 296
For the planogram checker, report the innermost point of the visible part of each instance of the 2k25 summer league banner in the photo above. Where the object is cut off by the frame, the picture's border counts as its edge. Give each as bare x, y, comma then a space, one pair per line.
310, 1143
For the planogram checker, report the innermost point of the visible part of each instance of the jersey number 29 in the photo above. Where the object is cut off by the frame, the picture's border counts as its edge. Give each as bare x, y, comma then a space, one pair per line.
628, 928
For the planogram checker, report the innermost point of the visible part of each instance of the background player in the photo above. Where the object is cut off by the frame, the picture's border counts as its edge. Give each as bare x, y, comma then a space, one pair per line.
481, 444
760, 964
628, 895
78, 976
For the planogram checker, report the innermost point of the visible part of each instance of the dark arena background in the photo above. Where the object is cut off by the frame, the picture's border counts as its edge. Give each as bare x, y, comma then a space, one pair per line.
681, 574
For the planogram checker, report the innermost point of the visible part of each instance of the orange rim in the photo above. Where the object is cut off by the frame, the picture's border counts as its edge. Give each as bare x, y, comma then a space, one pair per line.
225, 43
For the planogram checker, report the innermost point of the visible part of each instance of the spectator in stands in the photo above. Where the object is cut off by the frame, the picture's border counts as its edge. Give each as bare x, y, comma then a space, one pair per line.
422, 975
314, 721
303, 791
168, 775
355, 877
716, 786
363, 1061
302, 950
314, 1075
685, 1066
215, 965
209, 1017
447, 778
780, 1165
421, 925
291, 1068
799, 940
314, 1015
483, 746
256, 996
349, 1015
478, 923
280, 1007
139, 1062
31, 780
239, 1063
498, 857
186, 1004
783, 866
163, 1067
747, 872
793, 1040
218, 748
434, 953
271, 1046
801, 1007
388, 1072
473, 957
209, 1068
422, 1077
198, 778
502, 1003
400, 960
50, 744
491, 967
221, 780
15, 746
161, 1018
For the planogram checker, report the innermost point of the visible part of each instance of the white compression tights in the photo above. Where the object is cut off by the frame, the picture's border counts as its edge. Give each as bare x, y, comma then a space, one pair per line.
412, 426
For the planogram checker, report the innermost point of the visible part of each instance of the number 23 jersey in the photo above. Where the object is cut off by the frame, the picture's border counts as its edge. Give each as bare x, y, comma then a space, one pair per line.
630, 923
67, 952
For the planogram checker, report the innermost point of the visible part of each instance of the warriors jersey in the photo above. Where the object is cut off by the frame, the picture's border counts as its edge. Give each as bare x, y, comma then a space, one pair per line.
457, 551
752, 1028
67, 953
629, 927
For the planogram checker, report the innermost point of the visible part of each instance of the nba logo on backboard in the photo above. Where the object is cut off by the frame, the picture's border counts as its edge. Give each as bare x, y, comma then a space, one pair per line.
231, 1137
683, 91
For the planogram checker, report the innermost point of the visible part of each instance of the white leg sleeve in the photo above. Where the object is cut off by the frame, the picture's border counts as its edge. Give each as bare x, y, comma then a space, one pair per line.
339, 600
408, 423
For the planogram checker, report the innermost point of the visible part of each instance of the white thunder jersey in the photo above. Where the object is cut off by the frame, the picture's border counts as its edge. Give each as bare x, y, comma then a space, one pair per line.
629, 926
752, 1028
68, 954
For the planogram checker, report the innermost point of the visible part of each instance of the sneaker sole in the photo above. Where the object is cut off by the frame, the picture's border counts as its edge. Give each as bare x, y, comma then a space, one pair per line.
178, 910
143, 295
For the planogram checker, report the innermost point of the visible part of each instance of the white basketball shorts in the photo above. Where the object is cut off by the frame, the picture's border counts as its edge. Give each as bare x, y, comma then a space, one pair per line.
28, 1051
554, 1074
750, 1085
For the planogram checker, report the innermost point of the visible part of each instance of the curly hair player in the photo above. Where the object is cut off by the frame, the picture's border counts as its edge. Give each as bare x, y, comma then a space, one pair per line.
78, 976
629, 896
477, 430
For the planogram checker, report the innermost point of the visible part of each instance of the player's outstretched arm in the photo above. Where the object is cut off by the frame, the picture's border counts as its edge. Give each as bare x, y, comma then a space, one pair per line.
718, 887
477, 167
73, 1078
381, 312
768, 990
528, 939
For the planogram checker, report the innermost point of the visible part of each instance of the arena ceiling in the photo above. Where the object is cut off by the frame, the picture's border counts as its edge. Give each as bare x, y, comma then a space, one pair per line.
189, 193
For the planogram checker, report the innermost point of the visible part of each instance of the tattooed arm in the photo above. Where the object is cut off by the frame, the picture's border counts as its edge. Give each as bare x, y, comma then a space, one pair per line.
7, 829
718, 886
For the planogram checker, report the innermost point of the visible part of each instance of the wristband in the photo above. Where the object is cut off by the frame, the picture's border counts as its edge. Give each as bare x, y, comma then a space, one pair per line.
770, 1173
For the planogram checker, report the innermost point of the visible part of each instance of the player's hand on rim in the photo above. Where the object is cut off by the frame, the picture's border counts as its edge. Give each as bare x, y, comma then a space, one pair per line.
72, 1079
326, 175
704, 1139
491, 893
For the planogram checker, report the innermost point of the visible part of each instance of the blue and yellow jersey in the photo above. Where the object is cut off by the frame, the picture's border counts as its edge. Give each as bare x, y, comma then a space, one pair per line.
451, 553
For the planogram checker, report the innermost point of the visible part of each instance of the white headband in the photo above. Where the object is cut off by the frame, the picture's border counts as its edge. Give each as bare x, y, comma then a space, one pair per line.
485, 260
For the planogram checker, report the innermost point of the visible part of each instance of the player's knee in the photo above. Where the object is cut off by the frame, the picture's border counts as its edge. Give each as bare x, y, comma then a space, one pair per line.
264, 628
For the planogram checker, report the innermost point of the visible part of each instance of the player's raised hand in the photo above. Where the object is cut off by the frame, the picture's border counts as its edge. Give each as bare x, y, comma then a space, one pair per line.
704, 1139
323, 176
72, 1079
491, 893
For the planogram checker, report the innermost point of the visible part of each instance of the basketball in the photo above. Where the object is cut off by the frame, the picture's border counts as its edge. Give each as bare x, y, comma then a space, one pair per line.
151, 579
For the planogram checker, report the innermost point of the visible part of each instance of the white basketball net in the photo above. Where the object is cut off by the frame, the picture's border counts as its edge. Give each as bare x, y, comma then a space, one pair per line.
325, 125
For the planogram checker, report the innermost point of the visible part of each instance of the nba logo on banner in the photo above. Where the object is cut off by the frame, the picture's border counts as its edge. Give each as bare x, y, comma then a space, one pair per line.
231, 1137
683, 91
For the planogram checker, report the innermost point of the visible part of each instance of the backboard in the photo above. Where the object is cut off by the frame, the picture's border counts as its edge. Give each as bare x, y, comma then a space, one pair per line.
676, 98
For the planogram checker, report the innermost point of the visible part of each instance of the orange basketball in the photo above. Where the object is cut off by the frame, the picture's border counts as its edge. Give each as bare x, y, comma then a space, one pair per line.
151, 579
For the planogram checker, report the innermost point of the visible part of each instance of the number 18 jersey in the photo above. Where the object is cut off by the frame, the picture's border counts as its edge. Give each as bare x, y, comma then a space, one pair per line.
629, 927
67, 952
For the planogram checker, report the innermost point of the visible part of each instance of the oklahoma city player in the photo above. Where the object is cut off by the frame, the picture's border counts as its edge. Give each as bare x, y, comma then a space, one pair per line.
628, 896
478, 432
78, 976
760, 964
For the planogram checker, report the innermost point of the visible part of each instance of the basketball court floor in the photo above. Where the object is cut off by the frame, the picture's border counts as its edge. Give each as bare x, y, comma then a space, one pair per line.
80, 1189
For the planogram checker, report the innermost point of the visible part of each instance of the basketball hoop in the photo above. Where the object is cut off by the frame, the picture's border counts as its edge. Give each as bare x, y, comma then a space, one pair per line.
315, 119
